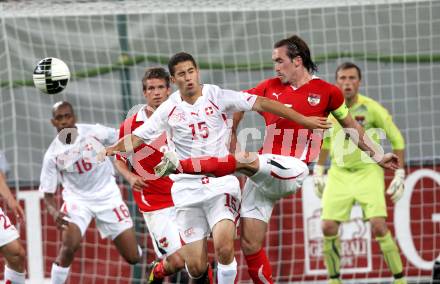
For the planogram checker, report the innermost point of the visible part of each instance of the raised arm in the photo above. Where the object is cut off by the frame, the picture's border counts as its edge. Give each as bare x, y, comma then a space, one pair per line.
388, 161
126, 144
311, 122
234, 146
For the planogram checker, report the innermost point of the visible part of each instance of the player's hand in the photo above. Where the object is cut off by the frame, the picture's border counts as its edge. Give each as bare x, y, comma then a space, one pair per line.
389, 161
61, 219
137, 183
316, 122
397, 185
318, 180
107, 151
16, 209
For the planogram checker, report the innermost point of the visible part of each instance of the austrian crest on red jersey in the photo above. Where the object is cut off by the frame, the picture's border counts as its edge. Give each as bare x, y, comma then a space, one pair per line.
314, 99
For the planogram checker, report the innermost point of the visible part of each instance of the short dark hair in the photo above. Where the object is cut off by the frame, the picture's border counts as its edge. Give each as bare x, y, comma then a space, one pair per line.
61, 104
348, 65
155, 73
179, 58
296, 46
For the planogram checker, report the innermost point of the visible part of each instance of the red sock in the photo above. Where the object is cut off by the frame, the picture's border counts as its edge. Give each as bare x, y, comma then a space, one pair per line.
259, 267
159, 271
210, 274
209, 165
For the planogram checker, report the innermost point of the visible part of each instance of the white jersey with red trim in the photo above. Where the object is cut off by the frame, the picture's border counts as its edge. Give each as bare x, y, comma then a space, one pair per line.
195, 130
200, 129
76, 167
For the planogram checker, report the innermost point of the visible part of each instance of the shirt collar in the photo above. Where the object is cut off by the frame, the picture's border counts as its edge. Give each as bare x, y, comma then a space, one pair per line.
141, 116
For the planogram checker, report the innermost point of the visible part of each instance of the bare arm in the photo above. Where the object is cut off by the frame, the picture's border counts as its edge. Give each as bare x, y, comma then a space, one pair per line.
323, 155
126, 144
5, 192
401, 155
235, 145
266, 105
136, 182
58, 216
388, 161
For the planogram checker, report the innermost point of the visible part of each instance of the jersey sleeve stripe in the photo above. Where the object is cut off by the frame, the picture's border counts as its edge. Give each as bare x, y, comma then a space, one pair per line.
214, 104
171, 112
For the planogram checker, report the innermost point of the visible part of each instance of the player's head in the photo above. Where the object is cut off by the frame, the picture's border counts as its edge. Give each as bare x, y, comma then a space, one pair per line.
156, 86
348, 78
63, 115
292, 55
184, 73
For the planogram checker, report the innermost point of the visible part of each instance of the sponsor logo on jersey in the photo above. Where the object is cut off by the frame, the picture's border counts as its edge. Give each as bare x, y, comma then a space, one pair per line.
314, 99
276, 95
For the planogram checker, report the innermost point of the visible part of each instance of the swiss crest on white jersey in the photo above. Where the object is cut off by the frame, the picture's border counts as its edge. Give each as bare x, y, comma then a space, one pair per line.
314, 99
209, 110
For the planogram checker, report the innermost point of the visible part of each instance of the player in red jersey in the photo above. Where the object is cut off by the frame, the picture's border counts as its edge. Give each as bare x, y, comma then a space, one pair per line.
153, 195
295, 86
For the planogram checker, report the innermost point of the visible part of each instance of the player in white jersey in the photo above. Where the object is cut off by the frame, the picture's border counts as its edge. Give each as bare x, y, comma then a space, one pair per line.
10, 246
89, 189
196, 120
153, 196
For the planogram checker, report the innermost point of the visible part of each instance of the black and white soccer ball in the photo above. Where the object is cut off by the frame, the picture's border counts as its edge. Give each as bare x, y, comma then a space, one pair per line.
51, 75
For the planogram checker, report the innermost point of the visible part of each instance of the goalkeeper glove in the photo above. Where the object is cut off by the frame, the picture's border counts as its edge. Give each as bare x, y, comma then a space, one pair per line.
318, 180
397, 185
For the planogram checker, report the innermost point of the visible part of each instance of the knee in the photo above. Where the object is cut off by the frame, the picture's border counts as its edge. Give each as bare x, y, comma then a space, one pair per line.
329, 228
225, 253
68, 251
378, 226
132, 258
16, 260
176, 261
379, 230
196, 269
249, 245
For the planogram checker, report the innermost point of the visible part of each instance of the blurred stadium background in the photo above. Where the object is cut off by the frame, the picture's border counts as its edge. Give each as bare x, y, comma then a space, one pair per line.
108, 44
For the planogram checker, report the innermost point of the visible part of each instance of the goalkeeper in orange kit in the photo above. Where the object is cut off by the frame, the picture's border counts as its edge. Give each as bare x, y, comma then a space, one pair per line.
354, 177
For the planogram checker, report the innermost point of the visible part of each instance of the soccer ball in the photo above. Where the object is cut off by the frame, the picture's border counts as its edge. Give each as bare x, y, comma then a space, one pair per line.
51, 75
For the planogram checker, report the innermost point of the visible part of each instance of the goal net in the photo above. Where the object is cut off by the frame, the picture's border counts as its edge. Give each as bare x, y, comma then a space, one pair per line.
108, 44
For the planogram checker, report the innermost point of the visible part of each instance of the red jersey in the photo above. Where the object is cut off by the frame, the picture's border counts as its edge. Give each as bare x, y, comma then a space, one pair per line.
285, 137
157, 194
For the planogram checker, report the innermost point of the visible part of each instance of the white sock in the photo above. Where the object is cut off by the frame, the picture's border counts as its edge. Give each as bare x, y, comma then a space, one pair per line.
226, 273
14, 276
263, 170
59, 274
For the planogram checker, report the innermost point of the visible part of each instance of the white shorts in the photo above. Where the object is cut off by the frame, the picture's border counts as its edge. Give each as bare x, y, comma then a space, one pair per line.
196, 221
163, 231
188, 190
8, 232
111, 215
278, 176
